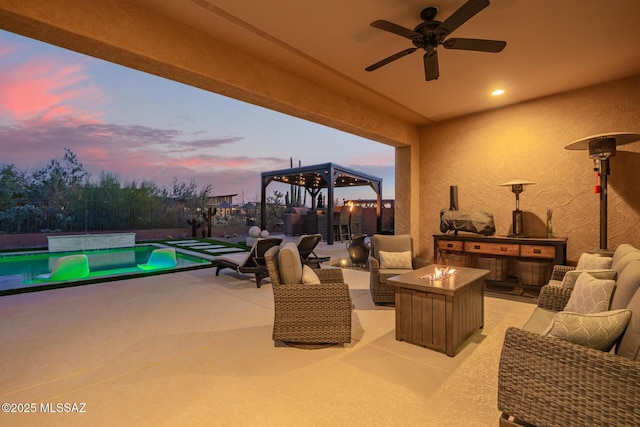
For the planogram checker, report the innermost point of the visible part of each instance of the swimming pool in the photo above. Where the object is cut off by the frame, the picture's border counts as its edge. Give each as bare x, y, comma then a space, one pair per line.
19, 270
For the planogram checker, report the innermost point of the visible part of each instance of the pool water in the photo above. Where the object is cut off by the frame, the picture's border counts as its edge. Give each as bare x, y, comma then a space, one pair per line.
19, 271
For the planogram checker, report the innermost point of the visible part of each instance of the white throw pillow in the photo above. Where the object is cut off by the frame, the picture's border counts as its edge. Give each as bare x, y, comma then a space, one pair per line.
309, 276
593, 262
590, 295
598, 330
396, 260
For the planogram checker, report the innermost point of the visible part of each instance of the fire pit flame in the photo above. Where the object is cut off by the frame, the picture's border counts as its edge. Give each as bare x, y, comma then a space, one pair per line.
440, 273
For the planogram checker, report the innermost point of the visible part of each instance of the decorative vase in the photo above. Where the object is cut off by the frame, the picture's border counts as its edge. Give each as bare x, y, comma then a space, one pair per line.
358, 249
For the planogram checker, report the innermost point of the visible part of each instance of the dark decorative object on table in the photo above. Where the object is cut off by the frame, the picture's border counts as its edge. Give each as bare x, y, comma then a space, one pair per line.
358, 249
473, 222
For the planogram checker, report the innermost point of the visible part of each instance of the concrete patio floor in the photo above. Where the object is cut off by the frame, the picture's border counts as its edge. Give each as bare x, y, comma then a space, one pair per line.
190, 348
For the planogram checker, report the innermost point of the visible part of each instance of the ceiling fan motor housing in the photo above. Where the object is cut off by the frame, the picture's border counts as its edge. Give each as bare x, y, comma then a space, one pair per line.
430, 37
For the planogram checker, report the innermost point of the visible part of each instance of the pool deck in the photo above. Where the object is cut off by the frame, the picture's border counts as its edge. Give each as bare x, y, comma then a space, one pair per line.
193, 349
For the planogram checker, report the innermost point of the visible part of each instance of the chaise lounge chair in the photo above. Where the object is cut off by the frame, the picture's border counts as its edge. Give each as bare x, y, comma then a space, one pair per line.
306, 246
251, 263
67, 268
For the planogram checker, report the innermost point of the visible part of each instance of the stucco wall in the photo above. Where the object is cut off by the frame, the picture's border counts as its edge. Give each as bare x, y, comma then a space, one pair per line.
479, 152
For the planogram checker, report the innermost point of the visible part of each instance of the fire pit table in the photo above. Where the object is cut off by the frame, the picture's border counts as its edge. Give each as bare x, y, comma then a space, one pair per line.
439, 313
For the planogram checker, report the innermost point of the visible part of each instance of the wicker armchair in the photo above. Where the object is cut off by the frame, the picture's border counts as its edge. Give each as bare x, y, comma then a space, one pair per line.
309, 313
381, 293
545, 381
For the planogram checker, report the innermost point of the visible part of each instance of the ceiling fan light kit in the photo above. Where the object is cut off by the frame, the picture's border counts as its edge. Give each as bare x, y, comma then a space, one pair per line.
430, 34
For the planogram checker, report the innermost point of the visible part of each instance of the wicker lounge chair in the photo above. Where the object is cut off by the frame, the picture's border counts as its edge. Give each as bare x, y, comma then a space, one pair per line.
250, 263
381, 293
306, 246
308, 313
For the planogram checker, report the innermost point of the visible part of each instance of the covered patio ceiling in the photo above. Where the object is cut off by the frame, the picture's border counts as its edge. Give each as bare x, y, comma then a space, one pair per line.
314, 178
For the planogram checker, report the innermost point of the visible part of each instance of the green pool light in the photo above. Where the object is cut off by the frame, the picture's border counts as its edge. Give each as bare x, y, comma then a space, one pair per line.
68, 268
160, 258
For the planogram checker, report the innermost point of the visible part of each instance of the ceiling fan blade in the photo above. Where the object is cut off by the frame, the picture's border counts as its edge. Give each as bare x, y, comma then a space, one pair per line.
395, 29
431, 71
462, 15
480, 45
390, 59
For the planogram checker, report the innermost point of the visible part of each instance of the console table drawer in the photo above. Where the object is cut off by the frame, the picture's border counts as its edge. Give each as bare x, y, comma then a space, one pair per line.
505, 249
533, 251
451, 245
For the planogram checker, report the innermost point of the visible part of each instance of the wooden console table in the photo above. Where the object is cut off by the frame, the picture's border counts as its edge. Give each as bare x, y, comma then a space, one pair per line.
439, 314
553, 250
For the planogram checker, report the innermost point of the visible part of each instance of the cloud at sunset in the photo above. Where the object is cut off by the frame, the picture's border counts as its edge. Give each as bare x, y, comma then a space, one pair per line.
52, 99
132, 152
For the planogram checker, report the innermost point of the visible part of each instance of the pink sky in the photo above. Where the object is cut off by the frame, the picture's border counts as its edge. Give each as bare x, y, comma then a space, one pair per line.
50, 101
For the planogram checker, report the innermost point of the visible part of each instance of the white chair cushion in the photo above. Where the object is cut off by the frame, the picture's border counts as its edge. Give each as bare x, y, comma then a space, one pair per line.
309, 276
289, 264
593, 262
396, 260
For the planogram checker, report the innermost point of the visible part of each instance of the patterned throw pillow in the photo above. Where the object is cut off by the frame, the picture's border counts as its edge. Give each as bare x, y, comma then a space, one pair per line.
598, 330
396, 260
590, 295
309, 276
593, 262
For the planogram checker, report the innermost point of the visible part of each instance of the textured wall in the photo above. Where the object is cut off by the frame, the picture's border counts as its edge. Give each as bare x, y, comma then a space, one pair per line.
526, 141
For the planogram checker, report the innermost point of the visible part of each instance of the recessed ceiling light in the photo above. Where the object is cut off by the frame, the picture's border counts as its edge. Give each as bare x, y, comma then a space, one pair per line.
497, 92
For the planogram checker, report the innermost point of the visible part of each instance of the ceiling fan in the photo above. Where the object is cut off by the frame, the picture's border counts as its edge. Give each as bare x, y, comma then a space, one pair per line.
430, 34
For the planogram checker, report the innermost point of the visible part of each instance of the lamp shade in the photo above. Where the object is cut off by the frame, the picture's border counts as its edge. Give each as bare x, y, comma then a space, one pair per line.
621, 138
517, 187
517, 182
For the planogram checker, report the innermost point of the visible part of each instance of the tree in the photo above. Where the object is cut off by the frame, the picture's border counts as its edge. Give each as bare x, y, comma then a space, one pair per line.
59, 181
13, 185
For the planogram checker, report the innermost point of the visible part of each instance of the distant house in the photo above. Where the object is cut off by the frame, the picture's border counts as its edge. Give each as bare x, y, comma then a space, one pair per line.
219, 200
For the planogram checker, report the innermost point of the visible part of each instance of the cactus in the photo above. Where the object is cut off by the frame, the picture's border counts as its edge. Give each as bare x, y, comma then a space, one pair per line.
296, 192
195, 224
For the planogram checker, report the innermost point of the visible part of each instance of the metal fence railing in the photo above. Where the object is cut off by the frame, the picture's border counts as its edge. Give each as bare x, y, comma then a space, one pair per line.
103, 215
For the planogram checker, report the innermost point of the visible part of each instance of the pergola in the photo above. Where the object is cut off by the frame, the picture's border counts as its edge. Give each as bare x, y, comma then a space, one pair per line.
314, 178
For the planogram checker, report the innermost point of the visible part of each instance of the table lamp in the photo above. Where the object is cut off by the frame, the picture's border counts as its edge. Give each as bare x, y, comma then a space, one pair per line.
517, 187
602, 147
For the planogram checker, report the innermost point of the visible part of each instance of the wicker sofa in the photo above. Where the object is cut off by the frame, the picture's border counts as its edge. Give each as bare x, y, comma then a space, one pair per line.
545, 381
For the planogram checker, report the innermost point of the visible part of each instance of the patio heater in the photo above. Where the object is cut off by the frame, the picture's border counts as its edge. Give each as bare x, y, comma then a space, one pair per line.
517, 187
601, 148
